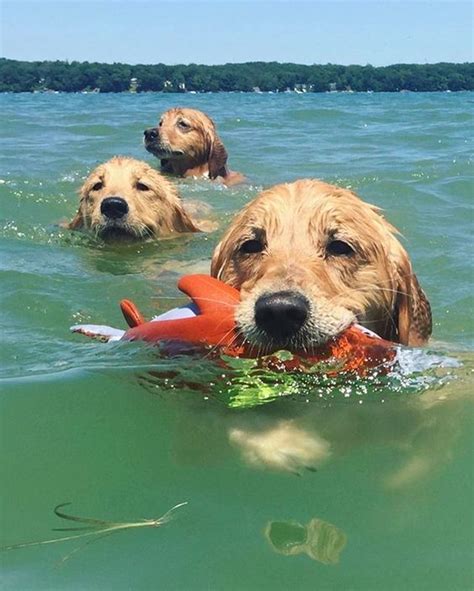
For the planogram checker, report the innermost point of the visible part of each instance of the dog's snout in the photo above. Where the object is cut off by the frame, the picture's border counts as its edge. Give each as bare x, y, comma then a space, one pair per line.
151, 134
281, 314
114, 207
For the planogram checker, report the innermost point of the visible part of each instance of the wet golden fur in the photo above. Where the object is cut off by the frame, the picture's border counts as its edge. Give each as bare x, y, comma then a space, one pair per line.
187, 144
298, 225
154, 206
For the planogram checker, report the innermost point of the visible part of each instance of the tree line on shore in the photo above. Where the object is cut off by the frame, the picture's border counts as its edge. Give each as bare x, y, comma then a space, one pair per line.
63, 76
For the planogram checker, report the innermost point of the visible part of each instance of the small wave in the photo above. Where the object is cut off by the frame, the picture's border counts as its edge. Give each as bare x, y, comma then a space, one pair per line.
320, 115
45, 234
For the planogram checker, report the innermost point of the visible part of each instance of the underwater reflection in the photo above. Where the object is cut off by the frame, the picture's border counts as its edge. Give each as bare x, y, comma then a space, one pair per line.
304, 430
318, 539
422, 435
301, 423
283, 446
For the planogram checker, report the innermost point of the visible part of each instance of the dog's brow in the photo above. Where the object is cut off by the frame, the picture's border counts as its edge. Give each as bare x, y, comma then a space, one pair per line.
258, 233
253, 233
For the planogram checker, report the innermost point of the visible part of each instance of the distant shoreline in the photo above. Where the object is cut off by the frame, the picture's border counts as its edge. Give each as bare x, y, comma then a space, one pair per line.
259, 77
125, 92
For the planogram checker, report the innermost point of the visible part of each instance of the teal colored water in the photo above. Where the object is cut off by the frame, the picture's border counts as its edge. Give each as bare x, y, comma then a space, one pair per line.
362, 485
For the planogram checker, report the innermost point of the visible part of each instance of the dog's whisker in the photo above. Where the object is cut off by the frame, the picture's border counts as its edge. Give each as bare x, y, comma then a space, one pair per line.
215, 347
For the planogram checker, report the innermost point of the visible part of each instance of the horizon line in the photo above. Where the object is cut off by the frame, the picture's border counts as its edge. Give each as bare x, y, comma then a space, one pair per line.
69, 61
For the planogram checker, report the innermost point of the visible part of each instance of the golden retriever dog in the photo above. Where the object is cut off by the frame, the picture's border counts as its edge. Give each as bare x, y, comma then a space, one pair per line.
310, 259
125, 198
187, 144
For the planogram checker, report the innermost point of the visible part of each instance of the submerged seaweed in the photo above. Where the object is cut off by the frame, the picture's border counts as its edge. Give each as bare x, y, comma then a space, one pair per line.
93, 527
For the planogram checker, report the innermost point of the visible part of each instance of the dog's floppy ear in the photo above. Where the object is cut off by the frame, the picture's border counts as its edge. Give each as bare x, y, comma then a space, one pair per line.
412, 308
217, 159
222, 266
77, 222
182, 222
217, 261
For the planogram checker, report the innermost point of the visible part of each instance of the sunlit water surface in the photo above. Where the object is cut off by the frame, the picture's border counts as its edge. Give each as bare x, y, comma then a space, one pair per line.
291, 482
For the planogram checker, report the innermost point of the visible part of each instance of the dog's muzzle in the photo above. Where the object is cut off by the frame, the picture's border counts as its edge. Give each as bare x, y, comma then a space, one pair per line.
154, 145
151, 139
151, 135
281, 314
114, 208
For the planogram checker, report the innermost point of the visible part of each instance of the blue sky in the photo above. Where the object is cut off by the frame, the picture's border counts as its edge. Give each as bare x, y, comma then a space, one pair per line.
378, 32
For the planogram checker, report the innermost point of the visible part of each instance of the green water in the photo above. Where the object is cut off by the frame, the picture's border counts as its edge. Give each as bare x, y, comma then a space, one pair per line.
339, 486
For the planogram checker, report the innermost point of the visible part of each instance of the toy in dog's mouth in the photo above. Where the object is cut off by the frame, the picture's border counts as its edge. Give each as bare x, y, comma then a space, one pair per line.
208, 324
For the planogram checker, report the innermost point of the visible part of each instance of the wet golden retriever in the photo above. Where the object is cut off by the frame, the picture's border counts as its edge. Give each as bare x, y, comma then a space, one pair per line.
310, 259
125, 198
187, 144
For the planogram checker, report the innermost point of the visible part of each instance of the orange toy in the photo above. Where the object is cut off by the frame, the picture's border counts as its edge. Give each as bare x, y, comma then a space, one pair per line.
212, 325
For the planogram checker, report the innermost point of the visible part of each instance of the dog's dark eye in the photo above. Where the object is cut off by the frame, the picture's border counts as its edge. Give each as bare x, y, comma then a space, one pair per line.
183, 124
339, 248
251, 247
98, 186
142, 187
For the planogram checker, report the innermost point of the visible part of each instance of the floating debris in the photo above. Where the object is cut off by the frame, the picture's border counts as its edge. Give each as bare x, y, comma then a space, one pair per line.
320, 540
93, 527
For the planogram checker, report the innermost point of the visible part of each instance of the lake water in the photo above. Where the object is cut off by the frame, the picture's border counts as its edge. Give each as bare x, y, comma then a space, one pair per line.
386, 503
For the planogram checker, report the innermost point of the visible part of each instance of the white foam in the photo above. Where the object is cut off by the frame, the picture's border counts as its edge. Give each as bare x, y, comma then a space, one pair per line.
410, 361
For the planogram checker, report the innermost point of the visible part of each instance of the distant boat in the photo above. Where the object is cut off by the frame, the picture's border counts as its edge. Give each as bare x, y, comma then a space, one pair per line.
46, 91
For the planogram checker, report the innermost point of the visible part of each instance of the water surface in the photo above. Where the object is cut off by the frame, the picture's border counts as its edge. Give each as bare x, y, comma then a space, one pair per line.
354, 485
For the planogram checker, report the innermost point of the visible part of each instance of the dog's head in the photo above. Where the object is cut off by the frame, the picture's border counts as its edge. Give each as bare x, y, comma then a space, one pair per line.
188, 138
310, 259
125, 198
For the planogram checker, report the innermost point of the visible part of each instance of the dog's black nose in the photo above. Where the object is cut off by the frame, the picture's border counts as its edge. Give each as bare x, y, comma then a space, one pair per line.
281, 314
114, 207
151, 134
